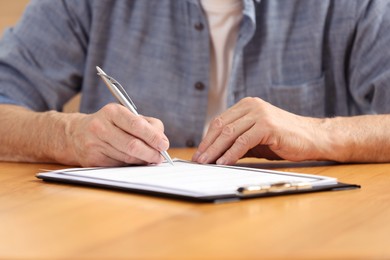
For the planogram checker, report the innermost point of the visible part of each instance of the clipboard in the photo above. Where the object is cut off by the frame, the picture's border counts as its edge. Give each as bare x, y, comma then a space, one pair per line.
197, 182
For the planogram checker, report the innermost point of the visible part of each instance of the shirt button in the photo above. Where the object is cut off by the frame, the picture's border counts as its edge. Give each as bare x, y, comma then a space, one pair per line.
190, 143
199, 26
199, 86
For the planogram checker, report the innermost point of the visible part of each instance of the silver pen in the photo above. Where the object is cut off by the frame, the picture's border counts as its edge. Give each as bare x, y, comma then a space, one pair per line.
121, 95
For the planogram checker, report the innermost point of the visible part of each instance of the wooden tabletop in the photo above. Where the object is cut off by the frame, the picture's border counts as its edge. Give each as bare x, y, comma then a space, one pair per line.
46, 220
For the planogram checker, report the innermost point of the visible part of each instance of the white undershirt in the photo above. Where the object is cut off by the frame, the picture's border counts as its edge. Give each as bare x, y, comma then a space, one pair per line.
224, 17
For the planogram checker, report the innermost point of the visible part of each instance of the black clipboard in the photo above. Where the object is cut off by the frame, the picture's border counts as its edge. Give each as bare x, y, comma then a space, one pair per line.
289, 186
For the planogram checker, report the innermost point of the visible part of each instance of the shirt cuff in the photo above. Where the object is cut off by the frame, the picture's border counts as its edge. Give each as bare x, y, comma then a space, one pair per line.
8, 101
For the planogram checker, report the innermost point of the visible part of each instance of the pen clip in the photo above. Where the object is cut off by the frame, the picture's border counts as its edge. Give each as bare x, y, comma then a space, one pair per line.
119, 87
273, 188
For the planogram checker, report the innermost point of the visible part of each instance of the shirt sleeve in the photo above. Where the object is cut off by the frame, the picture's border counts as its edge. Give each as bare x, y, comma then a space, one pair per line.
369, 67
43, 56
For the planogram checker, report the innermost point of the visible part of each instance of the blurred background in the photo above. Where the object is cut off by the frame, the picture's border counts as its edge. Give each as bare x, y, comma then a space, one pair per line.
10, 12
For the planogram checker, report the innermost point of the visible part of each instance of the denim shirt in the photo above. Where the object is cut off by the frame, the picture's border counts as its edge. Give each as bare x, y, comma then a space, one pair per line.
313, 58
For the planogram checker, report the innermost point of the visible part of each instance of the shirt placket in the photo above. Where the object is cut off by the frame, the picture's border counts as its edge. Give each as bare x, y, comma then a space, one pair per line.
236, 86
199, 75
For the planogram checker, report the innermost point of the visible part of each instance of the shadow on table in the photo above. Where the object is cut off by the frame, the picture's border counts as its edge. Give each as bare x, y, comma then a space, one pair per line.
286, 164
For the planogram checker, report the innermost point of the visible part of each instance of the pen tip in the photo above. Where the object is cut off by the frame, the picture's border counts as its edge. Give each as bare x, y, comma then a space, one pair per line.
100, 71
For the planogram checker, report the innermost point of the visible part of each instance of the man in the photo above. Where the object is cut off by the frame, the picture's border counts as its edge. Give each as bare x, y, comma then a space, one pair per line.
301, 80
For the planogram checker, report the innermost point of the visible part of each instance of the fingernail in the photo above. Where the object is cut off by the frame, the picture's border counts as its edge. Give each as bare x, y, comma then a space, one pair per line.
196, 156
221, 161
203, 158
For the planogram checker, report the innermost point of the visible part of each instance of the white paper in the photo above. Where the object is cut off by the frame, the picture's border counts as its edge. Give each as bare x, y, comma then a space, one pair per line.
185, 178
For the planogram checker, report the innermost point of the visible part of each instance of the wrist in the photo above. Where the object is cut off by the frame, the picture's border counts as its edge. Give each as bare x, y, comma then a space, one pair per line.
59, 139
335, 141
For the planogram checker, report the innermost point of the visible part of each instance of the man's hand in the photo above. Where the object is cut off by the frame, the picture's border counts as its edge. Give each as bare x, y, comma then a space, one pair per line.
255, 128
114, 136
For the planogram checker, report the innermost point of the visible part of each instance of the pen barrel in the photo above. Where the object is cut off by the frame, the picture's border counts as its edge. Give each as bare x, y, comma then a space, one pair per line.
277, 187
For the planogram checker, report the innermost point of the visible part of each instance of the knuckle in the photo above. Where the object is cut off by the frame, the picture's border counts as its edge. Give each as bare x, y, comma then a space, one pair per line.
243, 140
137, 123
115, 113
247, 99
253, 101
228, 131
110, 108
217, 123
156, 122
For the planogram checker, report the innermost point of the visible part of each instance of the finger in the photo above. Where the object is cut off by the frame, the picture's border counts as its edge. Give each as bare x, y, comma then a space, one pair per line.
122, 159
241, 146
226, 139
140, 128
215, 129
129, 149
102, 153
217, 125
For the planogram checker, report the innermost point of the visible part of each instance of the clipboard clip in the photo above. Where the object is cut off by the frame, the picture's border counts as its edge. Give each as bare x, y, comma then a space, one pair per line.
277, 187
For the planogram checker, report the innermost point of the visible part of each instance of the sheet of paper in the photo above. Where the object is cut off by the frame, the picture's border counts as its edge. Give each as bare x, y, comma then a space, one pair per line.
187, 178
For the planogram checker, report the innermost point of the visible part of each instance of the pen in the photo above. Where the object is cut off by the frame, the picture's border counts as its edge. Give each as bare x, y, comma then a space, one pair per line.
277, 187
121, 95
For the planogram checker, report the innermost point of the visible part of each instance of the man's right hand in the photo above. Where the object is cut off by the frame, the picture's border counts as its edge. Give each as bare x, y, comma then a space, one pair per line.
113, 136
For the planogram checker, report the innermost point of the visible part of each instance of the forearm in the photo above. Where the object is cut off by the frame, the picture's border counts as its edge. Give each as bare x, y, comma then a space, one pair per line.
357, 139
33, 136
255, 128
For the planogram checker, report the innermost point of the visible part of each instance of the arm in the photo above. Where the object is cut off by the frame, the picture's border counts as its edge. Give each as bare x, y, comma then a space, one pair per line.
111, 137
255, 128
42, 65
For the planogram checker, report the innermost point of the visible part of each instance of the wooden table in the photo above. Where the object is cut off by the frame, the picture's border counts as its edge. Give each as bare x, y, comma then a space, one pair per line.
45, 220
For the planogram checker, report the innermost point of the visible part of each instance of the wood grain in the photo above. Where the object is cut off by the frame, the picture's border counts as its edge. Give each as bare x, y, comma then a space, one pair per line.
47, 220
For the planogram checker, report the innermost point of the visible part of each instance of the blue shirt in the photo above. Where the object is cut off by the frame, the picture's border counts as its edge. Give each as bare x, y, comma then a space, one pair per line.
314, 58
